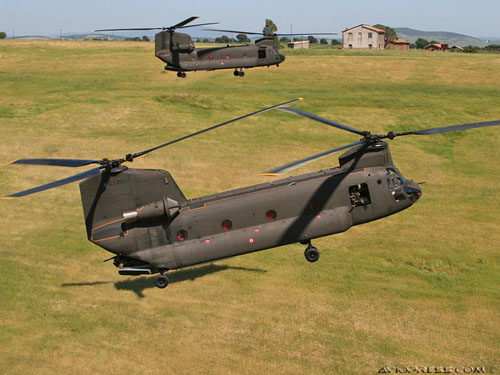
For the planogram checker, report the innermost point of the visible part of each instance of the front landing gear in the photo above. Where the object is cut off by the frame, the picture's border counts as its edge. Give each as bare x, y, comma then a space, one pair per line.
240, 73
311, 253
181, 74
161, 281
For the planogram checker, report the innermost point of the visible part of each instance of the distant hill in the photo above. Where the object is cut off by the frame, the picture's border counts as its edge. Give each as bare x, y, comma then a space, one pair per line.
440, 36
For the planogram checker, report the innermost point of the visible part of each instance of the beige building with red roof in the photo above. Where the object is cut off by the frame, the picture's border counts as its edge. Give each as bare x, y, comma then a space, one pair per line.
363, 37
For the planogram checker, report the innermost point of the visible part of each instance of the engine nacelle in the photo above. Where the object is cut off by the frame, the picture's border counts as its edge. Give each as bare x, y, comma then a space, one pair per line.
166, 207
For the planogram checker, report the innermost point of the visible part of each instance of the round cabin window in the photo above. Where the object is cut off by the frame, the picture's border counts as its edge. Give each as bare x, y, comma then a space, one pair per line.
182, 235
271, 215
227, 224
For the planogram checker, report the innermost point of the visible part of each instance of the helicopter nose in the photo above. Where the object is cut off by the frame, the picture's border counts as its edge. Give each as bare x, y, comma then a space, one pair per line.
412, 190
282, 57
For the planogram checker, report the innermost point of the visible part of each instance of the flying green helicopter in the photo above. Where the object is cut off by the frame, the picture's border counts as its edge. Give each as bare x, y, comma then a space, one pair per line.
143, 218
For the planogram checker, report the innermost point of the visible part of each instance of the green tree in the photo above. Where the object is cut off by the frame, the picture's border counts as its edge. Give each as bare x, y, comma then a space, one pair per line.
242, 38
390, 33
223, 39
323, 41
3, 35
312, 39
145, 38
471, 49
420, 43
335, 42
270, 27
284, 39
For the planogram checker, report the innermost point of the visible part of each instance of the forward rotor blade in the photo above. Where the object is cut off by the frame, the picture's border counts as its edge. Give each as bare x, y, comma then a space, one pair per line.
306, 34
56, 162
323, 120
234, 31
185, 22
132, 29
199, 24
299, 163
452, 128
64, 181
212, 127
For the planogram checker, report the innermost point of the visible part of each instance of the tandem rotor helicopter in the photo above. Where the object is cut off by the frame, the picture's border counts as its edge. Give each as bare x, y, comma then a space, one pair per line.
177, 50
144, 219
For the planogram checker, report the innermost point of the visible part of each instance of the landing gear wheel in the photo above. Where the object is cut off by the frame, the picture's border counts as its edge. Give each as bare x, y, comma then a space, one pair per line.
241, 73
183, 75
179, 74
161, 281
311, 254
236, 73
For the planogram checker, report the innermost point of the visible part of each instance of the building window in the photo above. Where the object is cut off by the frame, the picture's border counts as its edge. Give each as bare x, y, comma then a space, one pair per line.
360, 37
349, 36
350, 46
370, 46
370, 35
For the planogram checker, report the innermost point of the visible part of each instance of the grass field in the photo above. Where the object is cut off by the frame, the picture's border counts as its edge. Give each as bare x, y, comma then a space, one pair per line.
420, 288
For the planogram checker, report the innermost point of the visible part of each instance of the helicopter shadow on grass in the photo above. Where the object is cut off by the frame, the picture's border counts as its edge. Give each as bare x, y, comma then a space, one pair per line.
139, 284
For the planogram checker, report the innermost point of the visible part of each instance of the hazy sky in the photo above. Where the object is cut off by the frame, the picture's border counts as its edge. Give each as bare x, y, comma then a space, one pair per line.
43, 17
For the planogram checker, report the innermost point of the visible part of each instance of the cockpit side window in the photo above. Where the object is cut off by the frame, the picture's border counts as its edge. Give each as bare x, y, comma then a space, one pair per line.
395, 181
359, 195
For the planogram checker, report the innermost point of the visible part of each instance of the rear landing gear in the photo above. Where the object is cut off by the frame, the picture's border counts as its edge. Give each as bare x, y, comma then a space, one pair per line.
311, 253
181, 74
240, 73
161, 281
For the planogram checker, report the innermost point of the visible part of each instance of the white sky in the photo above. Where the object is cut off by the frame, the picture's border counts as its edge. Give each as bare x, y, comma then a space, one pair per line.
44, 17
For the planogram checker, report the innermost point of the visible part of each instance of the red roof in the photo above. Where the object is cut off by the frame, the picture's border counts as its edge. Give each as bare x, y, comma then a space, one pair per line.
400, 41
373, 28
367, 27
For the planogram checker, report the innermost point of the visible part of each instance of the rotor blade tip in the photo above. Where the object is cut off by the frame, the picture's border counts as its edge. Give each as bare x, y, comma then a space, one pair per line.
5, 198
301, 98
267, 174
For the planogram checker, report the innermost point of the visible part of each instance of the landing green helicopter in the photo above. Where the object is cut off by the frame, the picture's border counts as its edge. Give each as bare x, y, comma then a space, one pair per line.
177, 50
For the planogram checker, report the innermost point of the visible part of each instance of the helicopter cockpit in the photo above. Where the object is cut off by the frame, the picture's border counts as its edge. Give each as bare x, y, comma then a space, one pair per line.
398, 186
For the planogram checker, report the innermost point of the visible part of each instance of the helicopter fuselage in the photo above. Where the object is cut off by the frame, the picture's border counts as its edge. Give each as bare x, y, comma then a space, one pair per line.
143, 217
177, 50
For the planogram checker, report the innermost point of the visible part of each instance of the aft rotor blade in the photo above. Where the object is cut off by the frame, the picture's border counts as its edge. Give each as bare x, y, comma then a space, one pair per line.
234, 31
132, 29
56, 162
213, 127
323, 120
299, 163
64, 181
185, 22
199, 24
452, 128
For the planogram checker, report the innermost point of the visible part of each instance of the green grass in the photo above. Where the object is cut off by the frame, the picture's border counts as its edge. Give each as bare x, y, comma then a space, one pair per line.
419, 288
